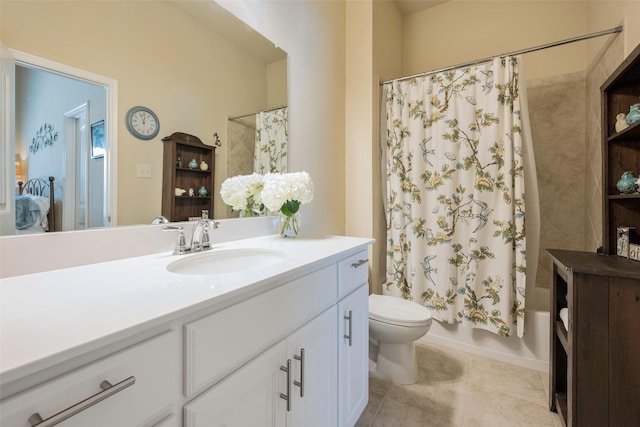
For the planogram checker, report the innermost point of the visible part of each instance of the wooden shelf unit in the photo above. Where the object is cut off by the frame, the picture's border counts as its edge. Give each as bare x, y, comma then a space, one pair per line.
594, 372
620, 150
179, 175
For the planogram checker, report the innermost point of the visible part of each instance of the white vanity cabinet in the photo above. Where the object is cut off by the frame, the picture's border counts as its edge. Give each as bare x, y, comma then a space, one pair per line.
353, 339
317, 375
219, 343
145, 384
291, 384
284, 347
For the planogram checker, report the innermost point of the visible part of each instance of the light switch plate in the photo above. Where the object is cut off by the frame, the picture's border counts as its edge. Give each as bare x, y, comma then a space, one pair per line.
144, 170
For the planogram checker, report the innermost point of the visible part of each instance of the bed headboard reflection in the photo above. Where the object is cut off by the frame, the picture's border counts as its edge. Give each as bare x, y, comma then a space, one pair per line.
40, 187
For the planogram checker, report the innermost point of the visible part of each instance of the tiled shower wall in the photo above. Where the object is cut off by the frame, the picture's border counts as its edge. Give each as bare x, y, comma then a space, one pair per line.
601, 68
556, 112
565, 126
241, 137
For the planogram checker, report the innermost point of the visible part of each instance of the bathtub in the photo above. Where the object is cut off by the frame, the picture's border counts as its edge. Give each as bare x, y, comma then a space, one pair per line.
531, 351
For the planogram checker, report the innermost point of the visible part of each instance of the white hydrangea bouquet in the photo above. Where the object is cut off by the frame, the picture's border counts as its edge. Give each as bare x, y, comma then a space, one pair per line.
285, 193
244, 193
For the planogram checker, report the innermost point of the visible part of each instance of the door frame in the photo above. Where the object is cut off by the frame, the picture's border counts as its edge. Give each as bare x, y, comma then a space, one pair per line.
73, 121
111, 125
7, 146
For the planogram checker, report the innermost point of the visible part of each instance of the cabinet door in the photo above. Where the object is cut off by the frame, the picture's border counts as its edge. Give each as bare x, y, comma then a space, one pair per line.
248, 397
312, 350
353, 356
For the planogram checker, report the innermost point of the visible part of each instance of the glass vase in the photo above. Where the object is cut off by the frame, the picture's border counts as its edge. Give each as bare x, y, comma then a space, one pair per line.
289, 224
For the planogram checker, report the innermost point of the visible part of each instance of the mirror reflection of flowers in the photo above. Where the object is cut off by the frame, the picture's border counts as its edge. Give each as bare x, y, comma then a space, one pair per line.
286, 193
243, 193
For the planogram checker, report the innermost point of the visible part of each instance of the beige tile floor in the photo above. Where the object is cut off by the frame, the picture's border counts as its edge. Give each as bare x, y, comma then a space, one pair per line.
463, 390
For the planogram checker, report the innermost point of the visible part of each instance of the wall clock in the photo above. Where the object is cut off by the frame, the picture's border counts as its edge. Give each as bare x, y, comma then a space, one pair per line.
142, 123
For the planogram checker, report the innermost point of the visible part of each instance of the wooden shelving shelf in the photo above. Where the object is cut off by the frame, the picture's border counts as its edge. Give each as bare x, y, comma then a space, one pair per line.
620, 150
624, 196
632, 133
183, 169
593, 372
175, 175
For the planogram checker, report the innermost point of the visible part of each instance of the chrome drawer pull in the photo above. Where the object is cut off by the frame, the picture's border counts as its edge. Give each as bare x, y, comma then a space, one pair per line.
349, 318
287, 397
107, 391
301, 382
359, 263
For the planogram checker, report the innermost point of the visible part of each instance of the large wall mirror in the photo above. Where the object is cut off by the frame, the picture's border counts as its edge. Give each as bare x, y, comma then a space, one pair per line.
200, 69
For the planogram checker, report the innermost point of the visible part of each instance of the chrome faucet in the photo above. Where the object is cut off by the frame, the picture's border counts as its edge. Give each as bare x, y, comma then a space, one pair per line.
200, 239
160, 220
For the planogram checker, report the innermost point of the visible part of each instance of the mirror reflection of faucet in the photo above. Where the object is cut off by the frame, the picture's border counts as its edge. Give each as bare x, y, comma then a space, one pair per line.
160, 220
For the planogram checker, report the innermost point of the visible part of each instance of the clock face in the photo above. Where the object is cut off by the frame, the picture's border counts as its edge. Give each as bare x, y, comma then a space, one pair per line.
142, 123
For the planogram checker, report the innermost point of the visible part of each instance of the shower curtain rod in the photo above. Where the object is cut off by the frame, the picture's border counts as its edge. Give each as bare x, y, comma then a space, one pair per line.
261, 111
617, 29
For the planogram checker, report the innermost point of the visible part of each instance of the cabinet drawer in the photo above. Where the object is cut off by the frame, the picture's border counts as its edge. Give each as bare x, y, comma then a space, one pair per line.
215, 343
352, 272
155, 366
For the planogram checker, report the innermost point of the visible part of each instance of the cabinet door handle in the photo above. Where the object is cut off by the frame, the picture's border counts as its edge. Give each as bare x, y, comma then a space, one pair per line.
359, 263
287, 397
301, 382
107, 390
349, 319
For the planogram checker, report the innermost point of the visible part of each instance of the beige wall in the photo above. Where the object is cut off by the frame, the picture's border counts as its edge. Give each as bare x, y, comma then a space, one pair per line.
313, 34
387, 63
359, 118
607, 14
277, 84
188, 75
461, 31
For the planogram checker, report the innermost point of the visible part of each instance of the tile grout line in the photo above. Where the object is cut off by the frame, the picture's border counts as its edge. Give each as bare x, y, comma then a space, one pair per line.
378, 409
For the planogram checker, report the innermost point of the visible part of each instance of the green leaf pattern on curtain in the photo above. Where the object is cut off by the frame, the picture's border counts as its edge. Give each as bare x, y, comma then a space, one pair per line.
455, 195
272, 135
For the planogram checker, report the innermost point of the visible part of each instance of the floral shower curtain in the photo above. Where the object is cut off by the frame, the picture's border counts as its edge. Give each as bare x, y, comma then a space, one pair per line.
272, 134
455, 210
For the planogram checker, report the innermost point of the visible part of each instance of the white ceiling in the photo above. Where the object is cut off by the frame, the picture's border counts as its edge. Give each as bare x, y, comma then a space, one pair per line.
407, 7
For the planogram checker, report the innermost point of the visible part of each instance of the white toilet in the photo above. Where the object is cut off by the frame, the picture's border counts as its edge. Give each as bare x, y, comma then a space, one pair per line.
396, 324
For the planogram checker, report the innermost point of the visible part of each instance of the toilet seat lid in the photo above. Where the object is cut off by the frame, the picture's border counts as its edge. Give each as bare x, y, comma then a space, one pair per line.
388, 309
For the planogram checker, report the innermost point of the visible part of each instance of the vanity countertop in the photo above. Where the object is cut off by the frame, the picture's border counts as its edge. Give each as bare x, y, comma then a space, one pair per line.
47, 318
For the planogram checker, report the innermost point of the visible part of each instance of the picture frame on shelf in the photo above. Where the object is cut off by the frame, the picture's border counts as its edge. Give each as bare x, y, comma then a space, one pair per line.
97, 140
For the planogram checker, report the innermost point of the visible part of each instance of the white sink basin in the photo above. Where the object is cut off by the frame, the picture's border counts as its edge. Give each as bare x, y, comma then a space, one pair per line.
226, 261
